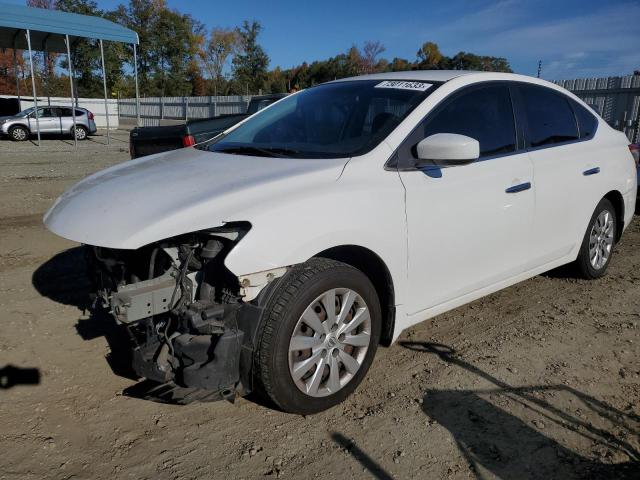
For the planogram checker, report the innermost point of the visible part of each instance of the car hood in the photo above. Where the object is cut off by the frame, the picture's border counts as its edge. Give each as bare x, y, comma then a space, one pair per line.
156, 197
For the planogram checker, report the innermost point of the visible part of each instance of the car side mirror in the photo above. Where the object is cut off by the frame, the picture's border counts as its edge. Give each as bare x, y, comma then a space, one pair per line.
447, 150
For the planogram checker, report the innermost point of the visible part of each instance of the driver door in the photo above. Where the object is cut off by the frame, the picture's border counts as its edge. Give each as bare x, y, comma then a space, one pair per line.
469, 225
48, 120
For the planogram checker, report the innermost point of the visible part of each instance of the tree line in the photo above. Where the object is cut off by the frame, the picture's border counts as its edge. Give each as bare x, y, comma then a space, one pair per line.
179, 56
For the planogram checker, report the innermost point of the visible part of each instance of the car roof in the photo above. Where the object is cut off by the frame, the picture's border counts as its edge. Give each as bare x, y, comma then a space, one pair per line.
427, 75
470, 76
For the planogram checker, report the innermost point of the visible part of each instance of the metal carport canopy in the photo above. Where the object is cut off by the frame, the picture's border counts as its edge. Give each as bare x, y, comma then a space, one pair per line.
49, 27
55, 31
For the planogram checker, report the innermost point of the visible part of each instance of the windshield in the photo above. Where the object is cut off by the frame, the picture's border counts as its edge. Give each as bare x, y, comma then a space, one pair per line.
24, 113
333, 120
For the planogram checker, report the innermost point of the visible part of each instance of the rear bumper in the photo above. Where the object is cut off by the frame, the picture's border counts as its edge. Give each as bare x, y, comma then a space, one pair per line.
92, 127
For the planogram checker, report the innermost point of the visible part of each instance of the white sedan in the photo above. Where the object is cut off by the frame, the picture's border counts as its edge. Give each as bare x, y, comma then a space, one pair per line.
280, 257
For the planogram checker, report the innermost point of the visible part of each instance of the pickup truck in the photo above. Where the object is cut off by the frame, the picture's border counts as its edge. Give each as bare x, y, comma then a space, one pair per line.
148, 140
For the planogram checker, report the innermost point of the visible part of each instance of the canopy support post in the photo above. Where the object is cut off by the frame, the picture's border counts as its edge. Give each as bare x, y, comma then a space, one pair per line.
33, 86
73, 107
15, 70
104, 84
135, 68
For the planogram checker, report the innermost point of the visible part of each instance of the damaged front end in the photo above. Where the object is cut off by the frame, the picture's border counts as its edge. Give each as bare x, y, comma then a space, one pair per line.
188, 316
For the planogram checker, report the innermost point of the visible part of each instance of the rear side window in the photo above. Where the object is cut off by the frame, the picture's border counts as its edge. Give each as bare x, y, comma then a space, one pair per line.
67, 112
587, 122
550, 118
484, 114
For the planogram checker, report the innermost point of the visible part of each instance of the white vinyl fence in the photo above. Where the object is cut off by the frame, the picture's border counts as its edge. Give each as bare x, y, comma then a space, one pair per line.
617, 100
94, 105
156, 110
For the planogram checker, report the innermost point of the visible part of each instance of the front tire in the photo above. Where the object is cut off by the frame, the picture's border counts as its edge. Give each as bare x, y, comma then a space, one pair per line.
18, 134
318, 337
598, 242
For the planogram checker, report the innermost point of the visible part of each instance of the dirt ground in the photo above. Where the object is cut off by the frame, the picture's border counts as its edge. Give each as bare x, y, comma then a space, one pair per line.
541, 380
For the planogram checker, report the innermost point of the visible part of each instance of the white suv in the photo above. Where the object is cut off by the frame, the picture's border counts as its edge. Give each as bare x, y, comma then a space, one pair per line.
332, 220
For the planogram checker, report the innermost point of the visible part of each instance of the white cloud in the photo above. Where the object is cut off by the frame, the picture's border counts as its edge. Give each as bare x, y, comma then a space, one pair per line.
602, 42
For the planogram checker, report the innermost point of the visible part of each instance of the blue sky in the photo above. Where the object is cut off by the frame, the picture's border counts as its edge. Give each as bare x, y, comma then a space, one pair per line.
573, 38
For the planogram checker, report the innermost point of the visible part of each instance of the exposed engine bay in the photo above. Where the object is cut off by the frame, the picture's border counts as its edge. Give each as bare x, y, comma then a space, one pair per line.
188, 316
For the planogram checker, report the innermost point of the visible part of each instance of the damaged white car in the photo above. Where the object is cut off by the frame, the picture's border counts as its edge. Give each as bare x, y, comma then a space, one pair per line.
280, 257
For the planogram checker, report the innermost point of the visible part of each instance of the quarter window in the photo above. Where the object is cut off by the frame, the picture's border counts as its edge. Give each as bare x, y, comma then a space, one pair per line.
587, 123
550, 118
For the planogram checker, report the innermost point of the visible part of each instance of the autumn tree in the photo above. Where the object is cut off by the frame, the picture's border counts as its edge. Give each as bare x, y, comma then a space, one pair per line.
429, 56
370, 53
223, 43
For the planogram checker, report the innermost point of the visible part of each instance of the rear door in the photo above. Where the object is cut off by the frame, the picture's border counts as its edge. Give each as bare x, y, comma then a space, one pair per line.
66, 119
469, 225
565, 171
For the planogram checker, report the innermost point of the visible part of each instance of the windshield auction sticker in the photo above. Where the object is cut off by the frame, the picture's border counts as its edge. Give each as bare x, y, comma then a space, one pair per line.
404, 85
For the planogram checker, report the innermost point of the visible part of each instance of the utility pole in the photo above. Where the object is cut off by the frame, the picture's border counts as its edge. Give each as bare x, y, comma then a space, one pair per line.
539, 68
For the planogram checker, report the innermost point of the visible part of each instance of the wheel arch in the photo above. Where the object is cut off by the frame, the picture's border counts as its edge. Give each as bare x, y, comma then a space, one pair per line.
369, 263
617, 200
26, 127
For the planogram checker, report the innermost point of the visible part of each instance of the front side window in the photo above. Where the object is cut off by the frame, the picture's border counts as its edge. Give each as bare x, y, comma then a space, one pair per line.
333, 120
550, 118
484, 114
50, 112
44, 112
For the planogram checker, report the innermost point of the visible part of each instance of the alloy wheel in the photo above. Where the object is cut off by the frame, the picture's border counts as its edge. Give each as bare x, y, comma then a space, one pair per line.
601, 239
329, 343
19, 134
81, 133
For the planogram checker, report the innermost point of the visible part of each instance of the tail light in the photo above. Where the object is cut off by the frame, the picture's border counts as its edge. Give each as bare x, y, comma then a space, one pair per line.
90, 115
635, 151
188, 141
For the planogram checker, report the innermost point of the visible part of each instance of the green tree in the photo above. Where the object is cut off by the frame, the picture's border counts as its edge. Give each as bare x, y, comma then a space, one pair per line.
85, 54
250, 65
470, 61
169, 42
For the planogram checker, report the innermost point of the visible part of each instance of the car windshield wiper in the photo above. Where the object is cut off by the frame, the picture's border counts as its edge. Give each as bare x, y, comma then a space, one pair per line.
262, 151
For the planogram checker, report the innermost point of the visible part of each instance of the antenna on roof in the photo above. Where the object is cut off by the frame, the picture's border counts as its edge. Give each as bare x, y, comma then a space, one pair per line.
539, 68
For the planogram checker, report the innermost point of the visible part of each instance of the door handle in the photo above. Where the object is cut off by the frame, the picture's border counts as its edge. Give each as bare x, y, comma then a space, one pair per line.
591, 171
519, 188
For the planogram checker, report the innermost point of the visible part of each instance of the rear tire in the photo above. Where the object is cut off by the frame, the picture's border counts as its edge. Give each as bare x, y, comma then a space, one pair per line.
308, 359
598, 242
81, 133
18, 134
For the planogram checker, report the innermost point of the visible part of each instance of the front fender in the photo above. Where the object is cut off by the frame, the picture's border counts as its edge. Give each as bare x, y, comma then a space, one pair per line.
346, 213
